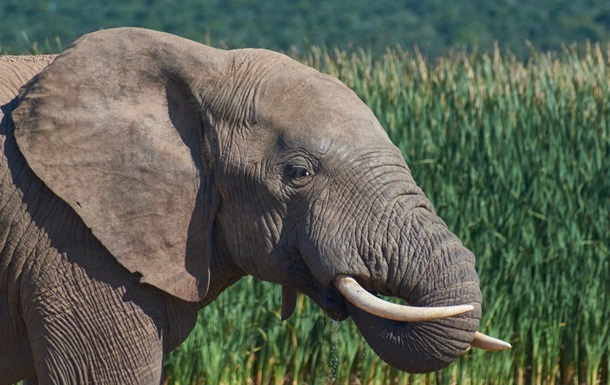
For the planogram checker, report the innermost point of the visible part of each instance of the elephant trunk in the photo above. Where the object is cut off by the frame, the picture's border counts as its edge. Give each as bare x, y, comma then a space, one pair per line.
429, 267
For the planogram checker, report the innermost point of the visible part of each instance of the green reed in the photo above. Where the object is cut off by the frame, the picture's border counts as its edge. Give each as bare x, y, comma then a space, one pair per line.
516, 159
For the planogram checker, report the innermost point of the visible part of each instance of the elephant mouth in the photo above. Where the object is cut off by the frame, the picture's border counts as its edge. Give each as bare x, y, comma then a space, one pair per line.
345, 289
371, 304
329, 299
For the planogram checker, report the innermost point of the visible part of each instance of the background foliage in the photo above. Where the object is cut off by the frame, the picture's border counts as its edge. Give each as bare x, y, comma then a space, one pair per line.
434, 25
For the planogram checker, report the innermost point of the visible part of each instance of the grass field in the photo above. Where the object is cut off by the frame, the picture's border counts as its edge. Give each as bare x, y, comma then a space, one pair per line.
516, 158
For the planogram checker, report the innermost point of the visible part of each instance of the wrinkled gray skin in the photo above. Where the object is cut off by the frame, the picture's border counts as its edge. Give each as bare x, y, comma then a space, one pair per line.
143, 174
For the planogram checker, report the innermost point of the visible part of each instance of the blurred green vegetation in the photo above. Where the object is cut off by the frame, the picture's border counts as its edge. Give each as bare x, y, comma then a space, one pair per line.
436, 26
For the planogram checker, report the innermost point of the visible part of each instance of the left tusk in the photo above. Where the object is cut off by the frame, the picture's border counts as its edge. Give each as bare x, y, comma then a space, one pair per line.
486, 342
289, 302
367, 302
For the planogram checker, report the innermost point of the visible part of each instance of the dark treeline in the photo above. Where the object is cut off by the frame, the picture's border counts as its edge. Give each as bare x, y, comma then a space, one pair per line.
435, 26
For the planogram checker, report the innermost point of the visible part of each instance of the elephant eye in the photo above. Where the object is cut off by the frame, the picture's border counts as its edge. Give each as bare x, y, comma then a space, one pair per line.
297, 175
299, 172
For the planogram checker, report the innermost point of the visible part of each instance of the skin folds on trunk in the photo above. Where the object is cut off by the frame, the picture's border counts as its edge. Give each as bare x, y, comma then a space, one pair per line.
440, 272
415, 347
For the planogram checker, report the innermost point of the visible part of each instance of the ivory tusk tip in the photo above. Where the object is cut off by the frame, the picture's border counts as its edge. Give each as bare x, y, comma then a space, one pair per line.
466, 308
486, 342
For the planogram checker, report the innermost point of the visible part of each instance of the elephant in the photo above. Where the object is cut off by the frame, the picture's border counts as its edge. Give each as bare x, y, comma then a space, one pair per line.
144, 173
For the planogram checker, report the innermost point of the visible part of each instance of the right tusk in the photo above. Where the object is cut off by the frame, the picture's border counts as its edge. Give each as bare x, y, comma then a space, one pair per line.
486, 342
367, 302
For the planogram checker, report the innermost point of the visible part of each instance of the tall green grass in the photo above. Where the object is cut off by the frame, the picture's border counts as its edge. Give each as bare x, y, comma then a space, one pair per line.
516, 158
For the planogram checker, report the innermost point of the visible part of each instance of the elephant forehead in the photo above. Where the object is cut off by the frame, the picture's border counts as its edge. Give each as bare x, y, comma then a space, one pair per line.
316, 106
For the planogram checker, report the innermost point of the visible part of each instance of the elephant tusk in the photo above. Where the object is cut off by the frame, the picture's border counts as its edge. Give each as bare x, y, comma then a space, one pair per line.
289, 302
367, 302
486, 342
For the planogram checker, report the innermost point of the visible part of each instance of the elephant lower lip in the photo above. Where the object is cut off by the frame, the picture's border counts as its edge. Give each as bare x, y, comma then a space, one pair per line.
333, 304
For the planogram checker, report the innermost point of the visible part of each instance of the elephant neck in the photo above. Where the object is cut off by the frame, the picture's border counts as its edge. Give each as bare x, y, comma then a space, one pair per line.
18, 179
22, 195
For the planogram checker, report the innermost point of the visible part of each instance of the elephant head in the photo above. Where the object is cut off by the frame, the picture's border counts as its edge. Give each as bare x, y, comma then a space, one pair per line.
194, 166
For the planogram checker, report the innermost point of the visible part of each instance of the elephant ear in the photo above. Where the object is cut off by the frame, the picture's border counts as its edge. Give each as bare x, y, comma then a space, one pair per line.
111, 134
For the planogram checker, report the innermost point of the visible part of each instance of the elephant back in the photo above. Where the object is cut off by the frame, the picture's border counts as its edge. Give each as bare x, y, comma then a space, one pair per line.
15, 71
